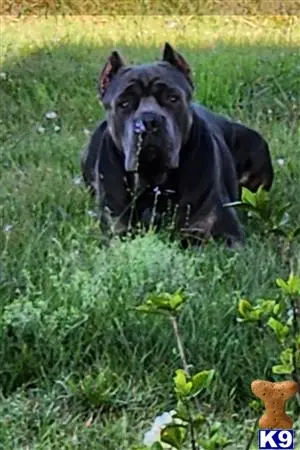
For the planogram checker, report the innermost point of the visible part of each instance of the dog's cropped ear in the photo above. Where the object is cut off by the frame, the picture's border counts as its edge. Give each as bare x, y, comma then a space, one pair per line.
173, 57
112, 66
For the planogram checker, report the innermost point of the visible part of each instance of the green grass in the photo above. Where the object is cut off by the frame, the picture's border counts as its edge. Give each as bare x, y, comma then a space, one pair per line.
66, 302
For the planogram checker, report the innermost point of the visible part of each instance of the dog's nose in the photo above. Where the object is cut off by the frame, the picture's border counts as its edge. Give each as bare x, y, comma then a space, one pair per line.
152, 122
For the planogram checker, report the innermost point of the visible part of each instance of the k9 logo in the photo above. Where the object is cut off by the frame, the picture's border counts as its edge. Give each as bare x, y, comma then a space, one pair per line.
270, 439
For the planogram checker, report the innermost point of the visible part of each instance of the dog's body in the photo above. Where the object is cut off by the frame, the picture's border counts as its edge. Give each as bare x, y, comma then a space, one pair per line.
248, 148
158, 150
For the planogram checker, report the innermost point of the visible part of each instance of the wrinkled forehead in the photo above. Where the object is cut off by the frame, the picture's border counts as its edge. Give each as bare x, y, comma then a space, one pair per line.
146, 76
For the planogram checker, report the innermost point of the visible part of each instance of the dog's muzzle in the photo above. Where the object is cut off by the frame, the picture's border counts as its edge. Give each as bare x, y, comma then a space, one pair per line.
149, 130
149, 123
139, 127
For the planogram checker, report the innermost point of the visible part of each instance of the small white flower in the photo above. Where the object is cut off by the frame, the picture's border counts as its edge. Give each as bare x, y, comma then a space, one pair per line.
77, 180
285, 219
41, 130
152, 436
163, 420
3, 75
51, 115
172, 24
160, 422
86, 131
7, 228
74, 439
91, 213
56, 128
280, 162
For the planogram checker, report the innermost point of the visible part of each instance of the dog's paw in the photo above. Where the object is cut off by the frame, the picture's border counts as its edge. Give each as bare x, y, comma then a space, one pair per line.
235, 244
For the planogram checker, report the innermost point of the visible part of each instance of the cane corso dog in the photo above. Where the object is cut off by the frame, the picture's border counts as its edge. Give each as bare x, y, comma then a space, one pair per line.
158, 155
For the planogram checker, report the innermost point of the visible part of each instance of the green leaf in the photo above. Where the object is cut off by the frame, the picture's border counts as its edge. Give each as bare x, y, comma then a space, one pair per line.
280, 330
268, 306
262, 198
216, 442
246, 207
259, 201
286, 356
177, 300
182, 411
173, 435
255, 315
164, 302
282, 369
291, 286
198, 421
215, 427
248, 197
182, 386
294, 284
201, 381
277, 309
156, 446
244, 308
281, 284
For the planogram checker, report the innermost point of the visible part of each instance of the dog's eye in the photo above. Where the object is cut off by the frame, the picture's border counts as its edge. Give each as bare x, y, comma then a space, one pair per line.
173, 98
124, 104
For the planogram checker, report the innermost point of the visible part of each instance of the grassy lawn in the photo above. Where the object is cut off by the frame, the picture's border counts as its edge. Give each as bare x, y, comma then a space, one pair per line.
78, 367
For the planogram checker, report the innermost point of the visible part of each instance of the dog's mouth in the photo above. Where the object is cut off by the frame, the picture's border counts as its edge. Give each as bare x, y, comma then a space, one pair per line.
152, 158
151, 154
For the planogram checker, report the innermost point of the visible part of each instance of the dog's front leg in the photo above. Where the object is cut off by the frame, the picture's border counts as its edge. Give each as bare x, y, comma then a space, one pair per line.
213, 220
205, 199
229, 226
113, 195
114, 208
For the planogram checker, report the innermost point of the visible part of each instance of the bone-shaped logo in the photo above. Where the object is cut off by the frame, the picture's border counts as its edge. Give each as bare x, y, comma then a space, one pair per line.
274, 396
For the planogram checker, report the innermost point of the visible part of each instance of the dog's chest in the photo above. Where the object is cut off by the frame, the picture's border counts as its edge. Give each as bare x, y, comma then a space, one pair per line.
154, 205
157, 206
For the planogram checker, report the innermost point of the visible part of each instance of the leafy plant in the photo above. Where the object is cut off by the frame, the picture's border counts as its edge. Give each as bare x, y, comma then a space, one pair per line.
97, 388
273, 217
181, 427
282, 318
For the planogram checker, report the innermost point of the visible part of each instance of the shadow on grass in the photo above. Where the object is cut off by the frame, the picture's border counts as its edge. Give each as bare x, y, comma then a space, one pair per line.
247, 82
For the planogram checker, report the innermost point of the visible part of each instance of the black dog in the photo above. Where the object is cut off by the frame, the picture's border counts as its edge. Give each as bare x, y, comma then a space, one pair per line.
158, 151
249, 150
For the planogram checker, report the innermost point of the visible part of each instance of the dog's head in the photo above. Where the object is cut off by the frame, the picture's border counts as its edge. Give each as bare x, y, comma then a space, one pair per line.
148, 111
